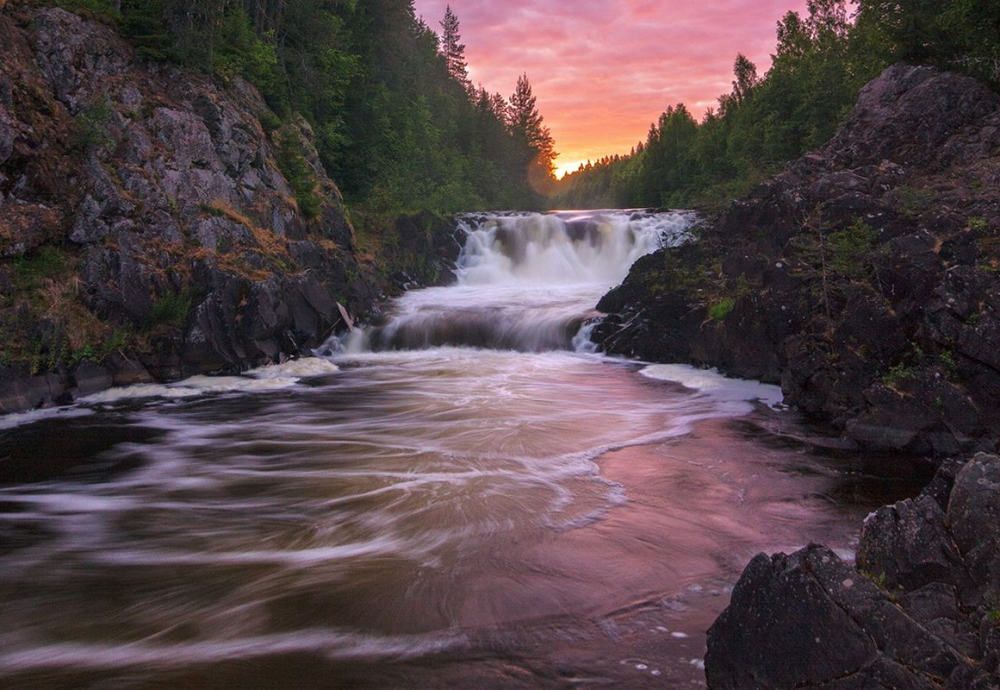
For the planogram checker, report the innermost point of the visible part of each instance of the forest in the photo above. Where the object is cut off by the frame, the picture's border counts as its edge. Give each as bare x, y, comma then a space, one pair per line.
400, 127
398, 124
820, 63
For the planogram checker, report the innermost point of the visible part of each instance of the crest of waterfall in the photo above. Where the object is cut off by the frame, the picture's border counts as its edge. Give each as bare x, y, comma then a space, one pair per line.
526, 281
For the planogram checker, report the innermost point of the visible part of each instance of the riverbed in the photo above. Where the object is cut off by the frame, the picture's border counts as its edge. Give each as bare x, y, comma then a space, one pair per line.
462, 495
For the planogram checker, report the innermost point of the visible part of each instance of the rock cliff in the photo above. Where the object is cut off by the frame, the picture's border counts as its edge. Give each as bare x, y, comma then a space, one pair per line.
152, 227
864, 278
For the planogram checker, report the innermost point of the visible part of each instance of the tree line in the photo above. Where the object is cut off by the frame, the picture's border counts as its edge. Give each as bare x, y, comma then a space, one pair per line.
398, 124
821, 61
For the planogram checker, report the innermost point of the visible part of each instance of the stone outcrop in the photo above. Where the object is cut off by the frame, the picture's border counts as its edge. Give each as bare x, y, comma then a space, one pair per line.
863, 279
921, 609
146, 224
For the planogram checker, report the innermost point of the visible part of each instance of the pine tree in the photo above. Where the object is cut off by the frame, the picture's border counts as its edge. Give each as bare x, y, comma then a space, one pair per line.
532, 137
525, 121
453, 49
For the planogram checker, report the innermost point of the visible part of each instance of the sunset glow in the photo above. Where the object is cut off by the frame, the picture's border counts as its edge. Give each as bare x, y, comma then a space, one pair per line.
603, 70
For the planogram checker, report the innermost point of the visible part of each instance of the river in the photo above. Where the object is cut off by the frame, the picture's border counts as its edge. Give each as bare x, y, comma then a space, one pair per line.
464, 495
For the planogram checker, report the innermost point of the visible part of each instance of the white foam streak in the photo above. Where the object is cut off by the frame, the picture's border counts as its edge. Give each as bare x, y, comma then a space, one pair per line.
9, 421
716, 386
269, 378
301, 558
335, 644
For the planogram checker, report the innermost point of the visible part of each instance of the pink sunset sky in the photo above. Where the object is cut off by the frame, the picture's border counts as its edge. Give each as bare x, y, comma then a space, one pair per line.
604, 70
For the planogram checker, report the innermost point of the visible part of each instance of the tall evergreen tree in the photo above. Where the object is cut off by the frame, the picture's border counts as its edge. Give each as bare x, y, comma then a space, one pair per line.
453, 49
526, 123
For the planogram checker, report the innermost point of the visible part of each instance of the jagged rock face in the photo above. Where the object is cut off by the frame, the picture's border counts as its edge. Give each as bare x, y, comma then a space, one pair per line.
159, 194
863, 279
921, 610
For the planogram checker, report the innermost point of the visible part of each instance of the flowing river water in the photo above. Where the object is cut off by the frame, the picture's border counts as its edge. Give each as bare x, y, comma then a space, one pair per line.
462, 496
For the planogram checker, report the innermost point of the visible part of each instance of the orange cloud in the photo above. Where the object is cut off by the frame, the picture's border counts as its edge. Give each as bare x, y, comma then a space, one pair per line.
604, 70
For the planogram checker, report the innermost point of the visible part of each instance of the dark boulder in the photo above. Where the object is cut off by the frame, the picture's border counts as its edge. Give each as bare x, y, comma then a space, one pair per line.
809, 620
907, 546
920, 610
974, 518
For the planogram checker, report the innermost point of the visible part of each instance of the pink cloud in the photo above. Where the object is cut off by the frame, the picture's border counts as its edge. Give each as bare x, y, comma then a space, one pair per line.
603, 70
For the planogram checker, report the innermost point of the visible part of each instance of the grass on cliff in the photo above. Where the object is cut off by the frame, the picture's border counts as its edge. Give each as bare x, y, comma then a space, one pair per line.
43, 321
257, 259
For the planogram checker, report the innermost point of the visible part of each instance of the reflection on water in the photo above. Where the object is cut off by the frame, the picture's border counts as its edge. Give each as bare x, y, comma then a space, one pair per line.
453, 504
448, 517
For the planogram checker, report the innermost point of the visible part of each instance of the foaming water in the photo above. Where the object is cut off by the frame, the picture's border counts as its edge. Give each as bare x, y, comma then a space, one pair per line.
566, 248
526, 282
520, 515
270, 378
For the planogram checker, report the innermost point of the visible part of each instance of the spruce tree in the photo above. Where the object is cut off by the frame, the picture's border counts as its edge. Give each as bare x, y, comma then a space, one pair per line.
525, 122
453, 49
532, 138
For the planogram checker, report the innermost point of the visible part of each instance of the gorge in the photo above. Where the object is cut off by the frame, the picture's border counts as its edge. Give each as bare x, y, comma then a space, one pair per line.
254, 436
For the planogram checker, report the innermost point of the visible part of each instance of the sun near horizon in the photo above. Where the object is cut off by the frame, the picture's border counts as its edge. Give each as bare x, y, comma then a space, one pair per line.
603, 71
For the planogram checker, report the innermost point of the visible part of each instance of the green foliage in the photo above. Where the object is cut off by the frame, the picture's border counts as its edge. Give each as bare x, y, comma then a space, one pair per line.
851, 251
896, 375
91, 125
961, 34
396, 122
269, 121
143, 23
820, 63
948, 362
242, 52
300, 175
31, 270
977, 225
880, 581
171, 309
720, 310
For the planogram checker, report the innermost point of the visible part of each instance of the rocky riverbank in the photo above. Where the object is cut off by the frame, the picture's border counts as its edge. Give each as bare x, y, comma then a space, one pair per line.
919, 610
865, 279
156, 223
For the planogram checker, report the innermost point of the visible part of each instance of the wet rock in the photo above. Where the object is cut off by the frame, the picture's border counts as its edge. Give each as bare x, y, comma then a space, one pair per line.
21, 392
810, 620
90, 378
922, 594
908, 545
974, 518
126, 371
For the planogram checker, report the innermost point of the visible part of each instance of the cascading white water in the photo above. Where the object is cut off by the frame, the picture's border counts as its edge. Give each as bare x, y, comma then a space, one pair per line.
526, 282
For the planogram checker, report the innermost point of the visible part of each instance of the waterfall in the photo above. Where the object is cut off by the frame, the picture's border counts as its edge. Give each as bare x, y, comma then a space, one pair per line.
526, 281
